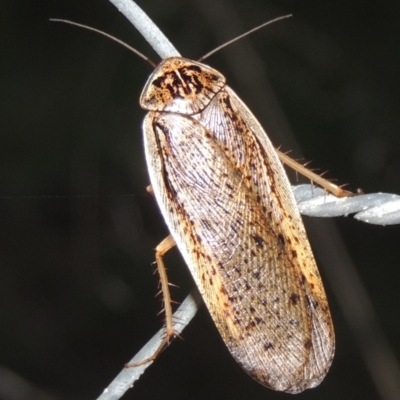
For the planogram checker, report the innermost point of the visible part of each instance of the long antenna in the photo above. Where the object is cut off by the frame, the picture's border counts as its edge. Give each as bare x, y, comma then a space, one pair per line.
141, 55
243, 35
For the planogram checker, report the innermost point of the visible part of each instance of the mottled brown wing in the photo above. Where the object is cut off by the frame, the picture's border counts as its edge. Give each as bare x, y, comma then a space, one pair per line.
234, 219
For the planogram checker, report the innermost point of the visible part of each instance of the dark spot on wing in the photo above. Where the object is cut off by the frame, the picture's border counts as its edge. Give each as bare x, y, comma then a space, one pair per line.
294, 298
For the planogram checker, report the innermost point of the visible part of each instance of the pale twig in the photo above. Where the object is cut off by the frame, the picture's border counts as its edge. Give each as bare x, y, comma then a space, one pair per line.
126, 378
150, 31
376, 208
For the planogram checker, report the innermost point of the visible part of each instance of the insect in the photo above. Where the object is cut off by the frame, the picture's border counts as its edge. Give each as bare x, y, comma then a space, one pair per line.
230, 210
229, 207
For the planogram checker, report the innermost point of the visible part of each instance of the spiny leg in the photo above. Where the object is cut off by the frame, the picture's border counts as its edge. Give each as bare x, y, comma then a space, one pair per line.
167, 244
329, 186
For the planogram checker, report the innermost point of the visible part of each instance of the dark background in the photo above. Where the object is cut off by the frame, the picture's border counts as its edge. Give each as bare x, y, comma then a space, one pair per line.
77, 229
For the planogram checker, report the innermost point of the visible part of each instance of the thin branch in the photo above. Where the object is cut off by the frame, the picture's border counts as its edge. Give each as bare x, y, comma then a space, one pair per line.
149, 30
375, 208
127, 377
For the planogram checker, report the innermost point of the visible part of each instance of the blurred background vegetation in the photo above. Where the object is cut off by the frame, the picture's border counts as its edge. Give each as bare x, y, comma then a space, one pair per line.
77, 229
